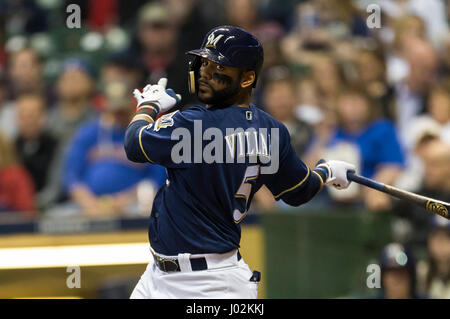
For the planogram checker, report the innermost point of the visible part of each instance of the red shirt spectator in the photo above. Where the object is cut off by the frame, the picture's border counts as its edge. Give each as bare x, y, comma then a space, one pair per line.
16, 189
16, 186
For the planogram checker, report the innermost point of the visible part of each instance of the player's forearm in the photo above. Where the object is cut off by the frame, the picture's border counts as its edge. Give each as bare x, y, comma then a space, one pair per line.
132, 141
146, 113
299, 184
325, 173
301, 195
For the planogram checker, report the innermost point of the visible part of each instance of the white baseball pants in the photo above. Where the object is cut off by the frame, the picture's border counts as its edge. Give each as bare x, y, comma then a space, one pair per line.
225, 278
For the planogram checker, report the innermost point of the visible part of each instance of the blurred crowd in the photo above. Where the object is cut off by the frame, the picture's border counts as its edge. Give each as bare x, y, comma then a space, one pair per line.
377, 97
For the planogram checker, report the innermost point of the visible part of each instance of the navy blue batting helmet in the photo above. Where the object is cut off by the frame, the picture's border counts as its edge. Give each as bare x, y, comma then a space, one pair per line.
396, 255
229, 46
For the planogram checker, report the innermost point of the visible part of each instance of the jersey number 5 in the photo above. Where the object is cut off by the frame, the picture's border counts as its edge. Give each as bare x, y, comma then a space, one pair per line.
251, 173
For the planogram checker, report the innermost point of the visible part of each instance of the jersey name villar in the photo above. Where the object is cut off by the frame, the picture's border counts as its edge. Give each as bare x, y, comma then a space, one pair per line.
216, 159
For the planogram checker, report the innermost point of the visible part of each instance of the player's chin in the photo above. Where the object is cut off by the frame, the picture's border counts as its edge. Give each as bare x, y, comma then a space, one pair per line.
204, 96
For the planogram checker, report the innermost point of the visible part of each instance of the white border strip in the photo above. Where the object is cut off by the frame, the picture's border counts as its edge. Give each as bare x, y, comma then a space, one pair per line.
80, 255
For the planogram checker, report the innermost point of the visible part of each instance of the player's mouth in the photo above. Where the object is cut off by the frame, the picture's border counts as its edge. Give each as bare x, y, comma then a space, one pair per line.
204, 85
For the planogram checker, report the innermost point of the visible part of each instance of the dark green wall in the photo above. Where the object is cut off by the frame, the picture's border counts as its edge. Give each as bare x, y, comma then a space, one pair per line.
322, 255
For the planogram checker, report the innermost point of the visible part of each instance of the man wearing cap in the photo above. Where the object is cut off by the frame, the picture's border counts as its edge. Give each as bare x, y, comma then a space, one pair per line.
398, 273
157, 48
73, 108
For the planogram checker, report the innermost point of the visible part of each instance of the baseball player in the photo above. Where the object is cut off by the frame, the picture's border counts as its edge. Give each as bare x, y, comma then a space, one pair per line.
194, 229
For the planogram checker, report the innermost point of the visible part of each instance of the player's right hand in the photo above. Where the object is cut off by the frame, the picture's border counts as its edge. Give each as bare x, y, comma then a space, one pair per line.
336, 173
157, 95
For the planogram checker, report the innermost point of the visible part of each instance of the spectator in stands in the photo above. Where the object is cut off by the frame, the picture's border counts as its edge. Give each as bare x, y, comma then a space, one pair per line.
322, 27
308, 108
436, 273
423, 65
243, 14
437, 120
318, 59
97, 174
25, 71
411, 93
16, 185
435, 157
23, 17
370, 143
35, 146
280, 101
321, 119
371, 75
193, 19
102, 15
117, 67
404, 28
246, 14
330, 85
26, 76
156, 50
398, 273
75, 89
439, 108
445, 57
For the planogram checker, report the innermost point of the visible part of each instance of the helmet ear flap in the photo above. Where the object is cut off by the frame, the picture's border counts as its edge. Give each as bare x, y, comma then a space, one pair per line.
194, 67
258, 71
192, 82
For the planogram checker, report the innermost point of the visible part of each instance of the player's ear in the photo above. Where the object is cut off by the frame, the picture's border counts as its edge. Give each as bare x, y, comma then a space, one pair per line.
247, 79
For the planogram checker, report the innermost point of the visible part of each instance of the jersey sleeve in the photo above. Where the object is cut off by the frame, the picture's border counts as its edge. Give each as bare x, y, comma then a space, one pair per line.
162, 141
294, 182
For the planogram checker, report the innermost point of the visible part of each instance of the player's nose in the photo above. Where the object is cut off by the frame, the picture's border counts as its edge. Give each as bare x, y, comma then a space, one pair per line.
205, 72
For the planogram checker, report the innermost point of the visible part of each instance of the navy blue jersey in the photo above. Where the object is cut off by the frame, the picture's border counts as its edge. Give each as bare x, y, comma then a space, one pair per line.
216, 159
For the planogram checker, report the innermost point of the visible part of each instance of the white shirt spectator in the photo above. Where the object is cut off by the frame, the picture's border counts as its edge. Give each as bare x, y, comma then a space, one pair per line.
8, 123
408, 106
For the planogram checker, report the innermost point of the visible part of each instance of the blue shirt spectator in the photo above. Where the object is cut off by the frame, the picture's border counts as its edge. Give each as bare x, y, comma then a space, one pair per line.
96, 159
353, 132
377, 143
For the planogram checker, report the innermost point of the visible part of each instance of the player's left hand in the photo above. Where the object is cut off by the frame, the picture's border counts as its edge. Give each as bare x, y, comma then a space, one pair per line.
337, 173
157, 95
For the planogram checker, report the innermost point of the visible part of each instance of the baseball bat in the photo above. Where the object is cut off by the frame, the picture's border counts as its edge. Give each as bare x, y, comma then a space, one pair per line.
435, 206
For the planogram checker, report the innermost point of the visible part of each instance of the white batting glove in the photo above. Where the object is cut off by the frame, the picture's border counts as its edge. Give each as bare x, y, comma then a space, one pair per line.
337, 173
157, 95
